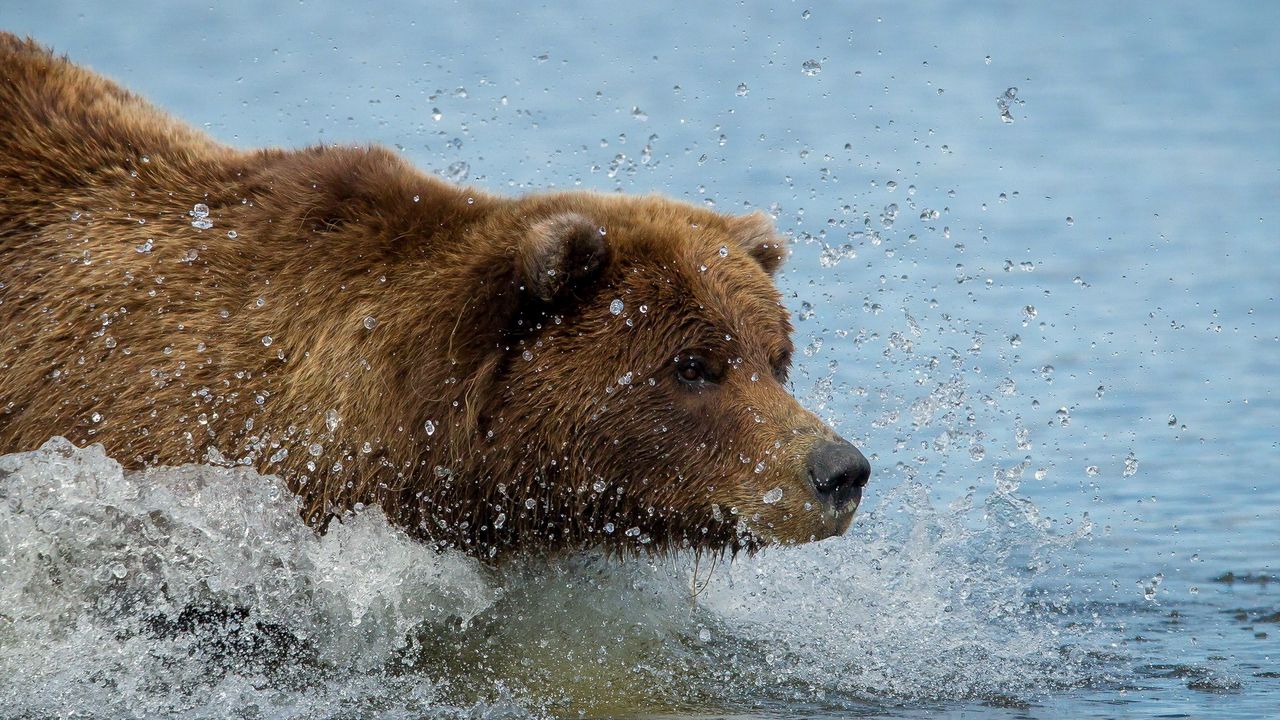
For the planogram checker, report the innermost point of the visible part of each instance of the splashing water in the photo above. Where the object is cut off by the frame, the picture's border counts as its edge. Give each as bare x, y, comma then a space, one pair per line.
198, 590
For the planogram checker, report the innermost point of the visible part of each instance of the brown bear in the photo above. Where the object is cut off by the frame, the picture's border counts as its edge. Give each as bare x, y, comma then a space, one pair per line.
544, 372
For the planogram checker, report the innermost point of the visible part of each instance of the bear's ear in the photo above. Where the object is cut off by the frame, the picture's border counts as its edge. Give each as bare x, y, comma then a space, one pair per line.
756, 234
559, 254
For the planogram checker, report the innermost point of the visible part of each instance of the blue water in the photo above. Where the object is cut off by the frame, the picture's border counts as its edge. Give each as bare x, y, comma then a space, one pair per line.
1080, 304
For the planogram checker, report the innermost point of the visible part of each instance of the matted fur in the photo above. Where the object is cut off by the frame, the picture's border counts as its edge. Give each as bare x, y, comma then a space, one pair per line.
375, 335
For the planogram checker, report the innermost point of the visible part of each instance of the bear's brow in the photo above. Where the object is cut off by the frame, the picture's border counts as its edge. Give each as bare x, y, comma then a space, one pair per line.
708, 297
749, 312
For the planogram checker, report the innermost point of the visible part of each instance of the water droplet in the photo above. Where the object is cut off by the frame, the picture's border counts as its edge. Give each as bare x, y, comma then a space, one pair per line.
626, 379
499, 521
742, 90
430, 427
146, 246
598, 486
608, 528
331, 420
809, 68
200, 216
1071, 220
457, 172
232, 234
1130, 464
266, 341
531, 503
772, 496
315, 449
1005, 104
1091, 471
724, 251
889, 215
806, 14
96, 417
616, 306
977, 452
526, 356
1022, 436
832, 255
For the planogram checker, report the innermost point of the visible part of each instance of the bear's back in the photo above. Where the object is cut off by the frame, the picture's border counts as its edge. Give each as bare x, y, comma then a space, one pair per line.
66, 128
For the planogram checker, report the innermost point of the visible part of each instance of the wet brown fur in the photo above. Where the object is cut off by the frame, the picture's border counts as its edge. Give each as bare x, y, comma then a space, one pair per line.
491, 327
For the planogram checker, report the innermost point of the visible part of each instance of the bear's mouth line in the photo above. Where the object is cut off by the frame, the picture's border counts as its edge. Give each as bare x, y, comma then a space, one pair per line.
840, 515
842, 510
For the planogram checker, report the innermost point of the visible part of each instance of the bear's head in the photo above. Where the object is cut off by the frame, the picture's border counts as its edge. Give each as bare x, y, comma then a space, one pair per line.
638, 388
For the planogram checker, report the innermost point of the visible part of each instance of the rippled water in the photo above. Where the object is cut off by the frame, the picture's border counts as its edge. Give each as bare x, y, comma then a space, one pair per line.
1058, 336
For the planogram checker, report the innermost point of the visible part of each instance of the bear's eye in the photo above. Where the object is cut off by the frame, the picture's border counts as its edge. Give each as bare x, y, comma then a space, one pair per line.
693, 370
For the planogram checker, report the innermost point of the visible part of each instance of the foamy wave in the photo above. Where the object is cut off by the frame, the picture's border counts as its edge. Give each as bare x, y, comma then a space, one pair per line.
199, 591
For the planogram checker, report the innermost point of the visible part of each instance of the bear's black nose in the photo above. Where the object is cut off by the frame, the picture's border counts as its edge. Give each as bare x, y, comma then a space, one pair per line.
838, 472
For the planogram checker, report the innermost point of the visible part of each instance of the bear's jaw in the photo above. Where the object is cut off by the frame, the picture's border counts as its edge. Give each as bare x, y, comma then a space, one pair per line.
830, 522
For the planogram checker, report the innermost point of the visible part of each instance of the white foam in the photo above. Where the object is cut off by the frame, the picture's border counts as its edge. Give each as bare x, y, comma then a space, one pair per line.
97, 567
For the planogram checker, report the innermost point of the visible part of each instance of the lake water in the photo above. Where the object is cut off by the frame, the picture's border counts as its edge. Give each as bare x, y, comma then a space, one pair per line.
1058, 338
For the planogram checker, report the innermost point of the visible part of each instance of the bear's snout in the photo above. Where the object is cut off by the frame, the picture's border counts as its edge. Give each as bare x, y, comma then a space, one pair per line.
838, 471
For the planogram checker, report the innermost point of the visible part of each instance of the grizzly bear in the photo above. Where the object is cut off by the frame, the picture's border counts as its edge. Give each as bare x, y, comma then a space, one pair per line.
551, 371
